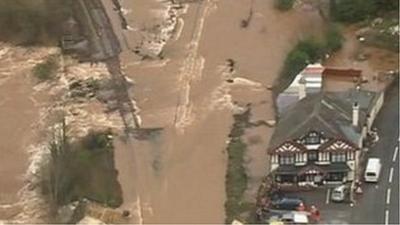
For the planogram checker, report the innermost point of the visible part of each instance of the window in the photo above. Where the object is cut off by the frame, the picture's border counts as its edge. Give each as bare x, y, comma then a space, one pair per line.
336, 176
286, 159
313, 138
324, 156
350, 155
312, 156
300, 157
338, 157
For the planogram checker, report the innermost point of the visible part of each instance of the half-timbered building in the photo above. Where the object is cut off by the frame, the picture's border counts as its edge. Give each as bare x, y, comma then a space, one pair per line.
319, 139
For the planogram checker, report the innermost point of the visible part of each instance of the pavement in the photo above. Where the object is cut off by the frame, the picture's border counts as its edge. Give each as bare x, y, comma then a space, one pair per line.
379, 203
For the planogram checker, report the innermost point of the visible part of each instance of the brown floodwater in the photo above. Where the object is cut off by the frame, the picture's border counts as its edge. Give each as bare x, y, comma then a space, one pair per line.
181, 172
18, 116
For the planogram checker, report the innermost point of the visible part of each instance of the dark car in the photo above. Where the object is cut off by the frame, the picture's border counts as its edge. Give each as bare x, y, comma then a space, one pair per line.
287, 203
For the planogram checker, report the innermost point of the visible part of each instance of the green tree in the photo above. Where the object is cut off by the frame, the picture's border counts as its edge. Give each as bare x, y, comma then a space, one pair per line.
334, 39
312, 48
352, 10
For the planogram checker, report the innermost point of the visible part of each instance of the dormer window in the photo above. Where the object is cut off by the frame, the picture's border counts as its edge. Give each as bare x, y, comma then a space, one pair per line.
313, 138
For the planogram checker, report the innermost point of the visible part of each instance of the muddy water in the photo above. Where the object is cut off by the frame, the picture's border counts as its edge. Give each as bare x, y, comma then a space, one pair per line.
182, 171
18, 113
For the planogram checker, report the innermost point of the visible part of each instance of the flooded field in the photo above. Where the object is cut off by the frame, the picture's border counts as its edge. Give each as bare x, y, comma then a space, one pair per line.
192, 92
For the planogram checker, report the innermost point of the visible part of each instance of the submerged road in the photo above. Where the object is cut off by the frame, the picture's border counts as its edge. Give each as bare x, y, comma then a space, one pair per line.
379, 203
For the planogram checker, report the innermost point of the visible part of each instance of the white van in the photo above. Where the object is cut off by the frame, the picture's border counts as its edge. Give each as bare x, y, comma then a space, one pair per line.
372, 170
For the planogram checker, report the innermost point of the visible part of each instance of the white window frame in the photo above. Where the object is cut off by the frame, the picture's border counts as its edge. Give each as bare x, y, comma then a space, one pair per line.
338, 157
286, 159
300, 158
324, 157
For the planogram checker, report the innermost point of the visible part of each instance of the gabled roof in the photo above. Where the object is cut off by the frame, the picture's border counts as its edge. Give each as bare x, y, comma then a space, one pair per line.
289, 147
329, 113
335, 145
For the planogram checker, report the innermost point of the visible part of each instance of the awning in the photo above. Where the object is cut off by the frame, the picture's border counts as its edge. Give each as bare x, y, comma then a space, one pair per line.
311, 169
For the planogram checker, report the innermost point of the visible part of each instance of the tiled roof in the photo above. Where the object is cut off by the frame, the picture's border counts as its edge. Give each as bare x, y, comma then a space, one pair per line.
330, 113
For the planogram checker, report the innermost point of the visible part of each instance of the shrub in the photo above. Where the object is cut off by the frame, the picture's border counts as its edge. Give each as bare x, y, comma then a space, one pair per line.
334, 39
96, 140
47, 69
284, 5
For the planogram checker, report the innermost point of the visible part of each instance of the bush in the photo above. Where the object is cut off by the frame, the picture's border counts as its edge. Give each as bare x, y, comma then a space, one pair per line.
96, 141
284, 5
334, 39
47, 69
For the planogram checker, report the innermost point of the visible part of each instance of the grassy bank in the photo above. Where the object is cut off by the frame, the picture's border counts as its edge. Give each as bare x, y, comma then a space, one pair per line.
236, 178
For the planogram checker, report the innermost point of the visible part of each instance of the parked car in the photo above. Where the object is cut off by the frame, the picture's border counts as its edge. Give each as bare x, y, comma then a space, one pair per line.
287, 203
295, 218
340, 193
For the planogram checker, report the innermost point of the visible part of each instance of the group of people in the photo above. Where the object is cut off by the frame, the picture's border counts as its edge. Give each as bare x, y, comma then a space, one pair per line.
314, 212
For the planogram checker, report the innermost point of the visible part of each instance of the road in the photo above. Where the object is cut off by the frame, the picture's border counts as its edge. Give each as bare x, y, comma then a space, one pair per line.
379, 203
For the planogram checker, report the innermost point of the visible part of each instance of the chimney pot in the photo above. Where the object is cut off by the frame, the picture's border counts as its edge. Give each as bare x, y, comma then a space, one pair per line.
302, 88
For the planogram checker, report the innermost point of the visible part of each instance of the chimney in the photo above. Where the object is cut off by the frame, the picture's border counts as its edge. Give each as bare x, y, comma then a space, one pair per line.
355, 114
302, 88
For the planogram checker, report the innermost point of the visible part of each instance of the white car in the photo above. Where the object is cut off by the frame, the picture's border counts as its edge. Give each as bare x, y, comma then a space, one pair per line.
340, 193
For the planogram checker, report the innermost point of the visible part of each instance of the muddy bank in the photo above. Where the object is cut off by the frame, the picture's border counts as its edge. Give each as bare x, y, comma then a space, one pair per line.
373, 62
